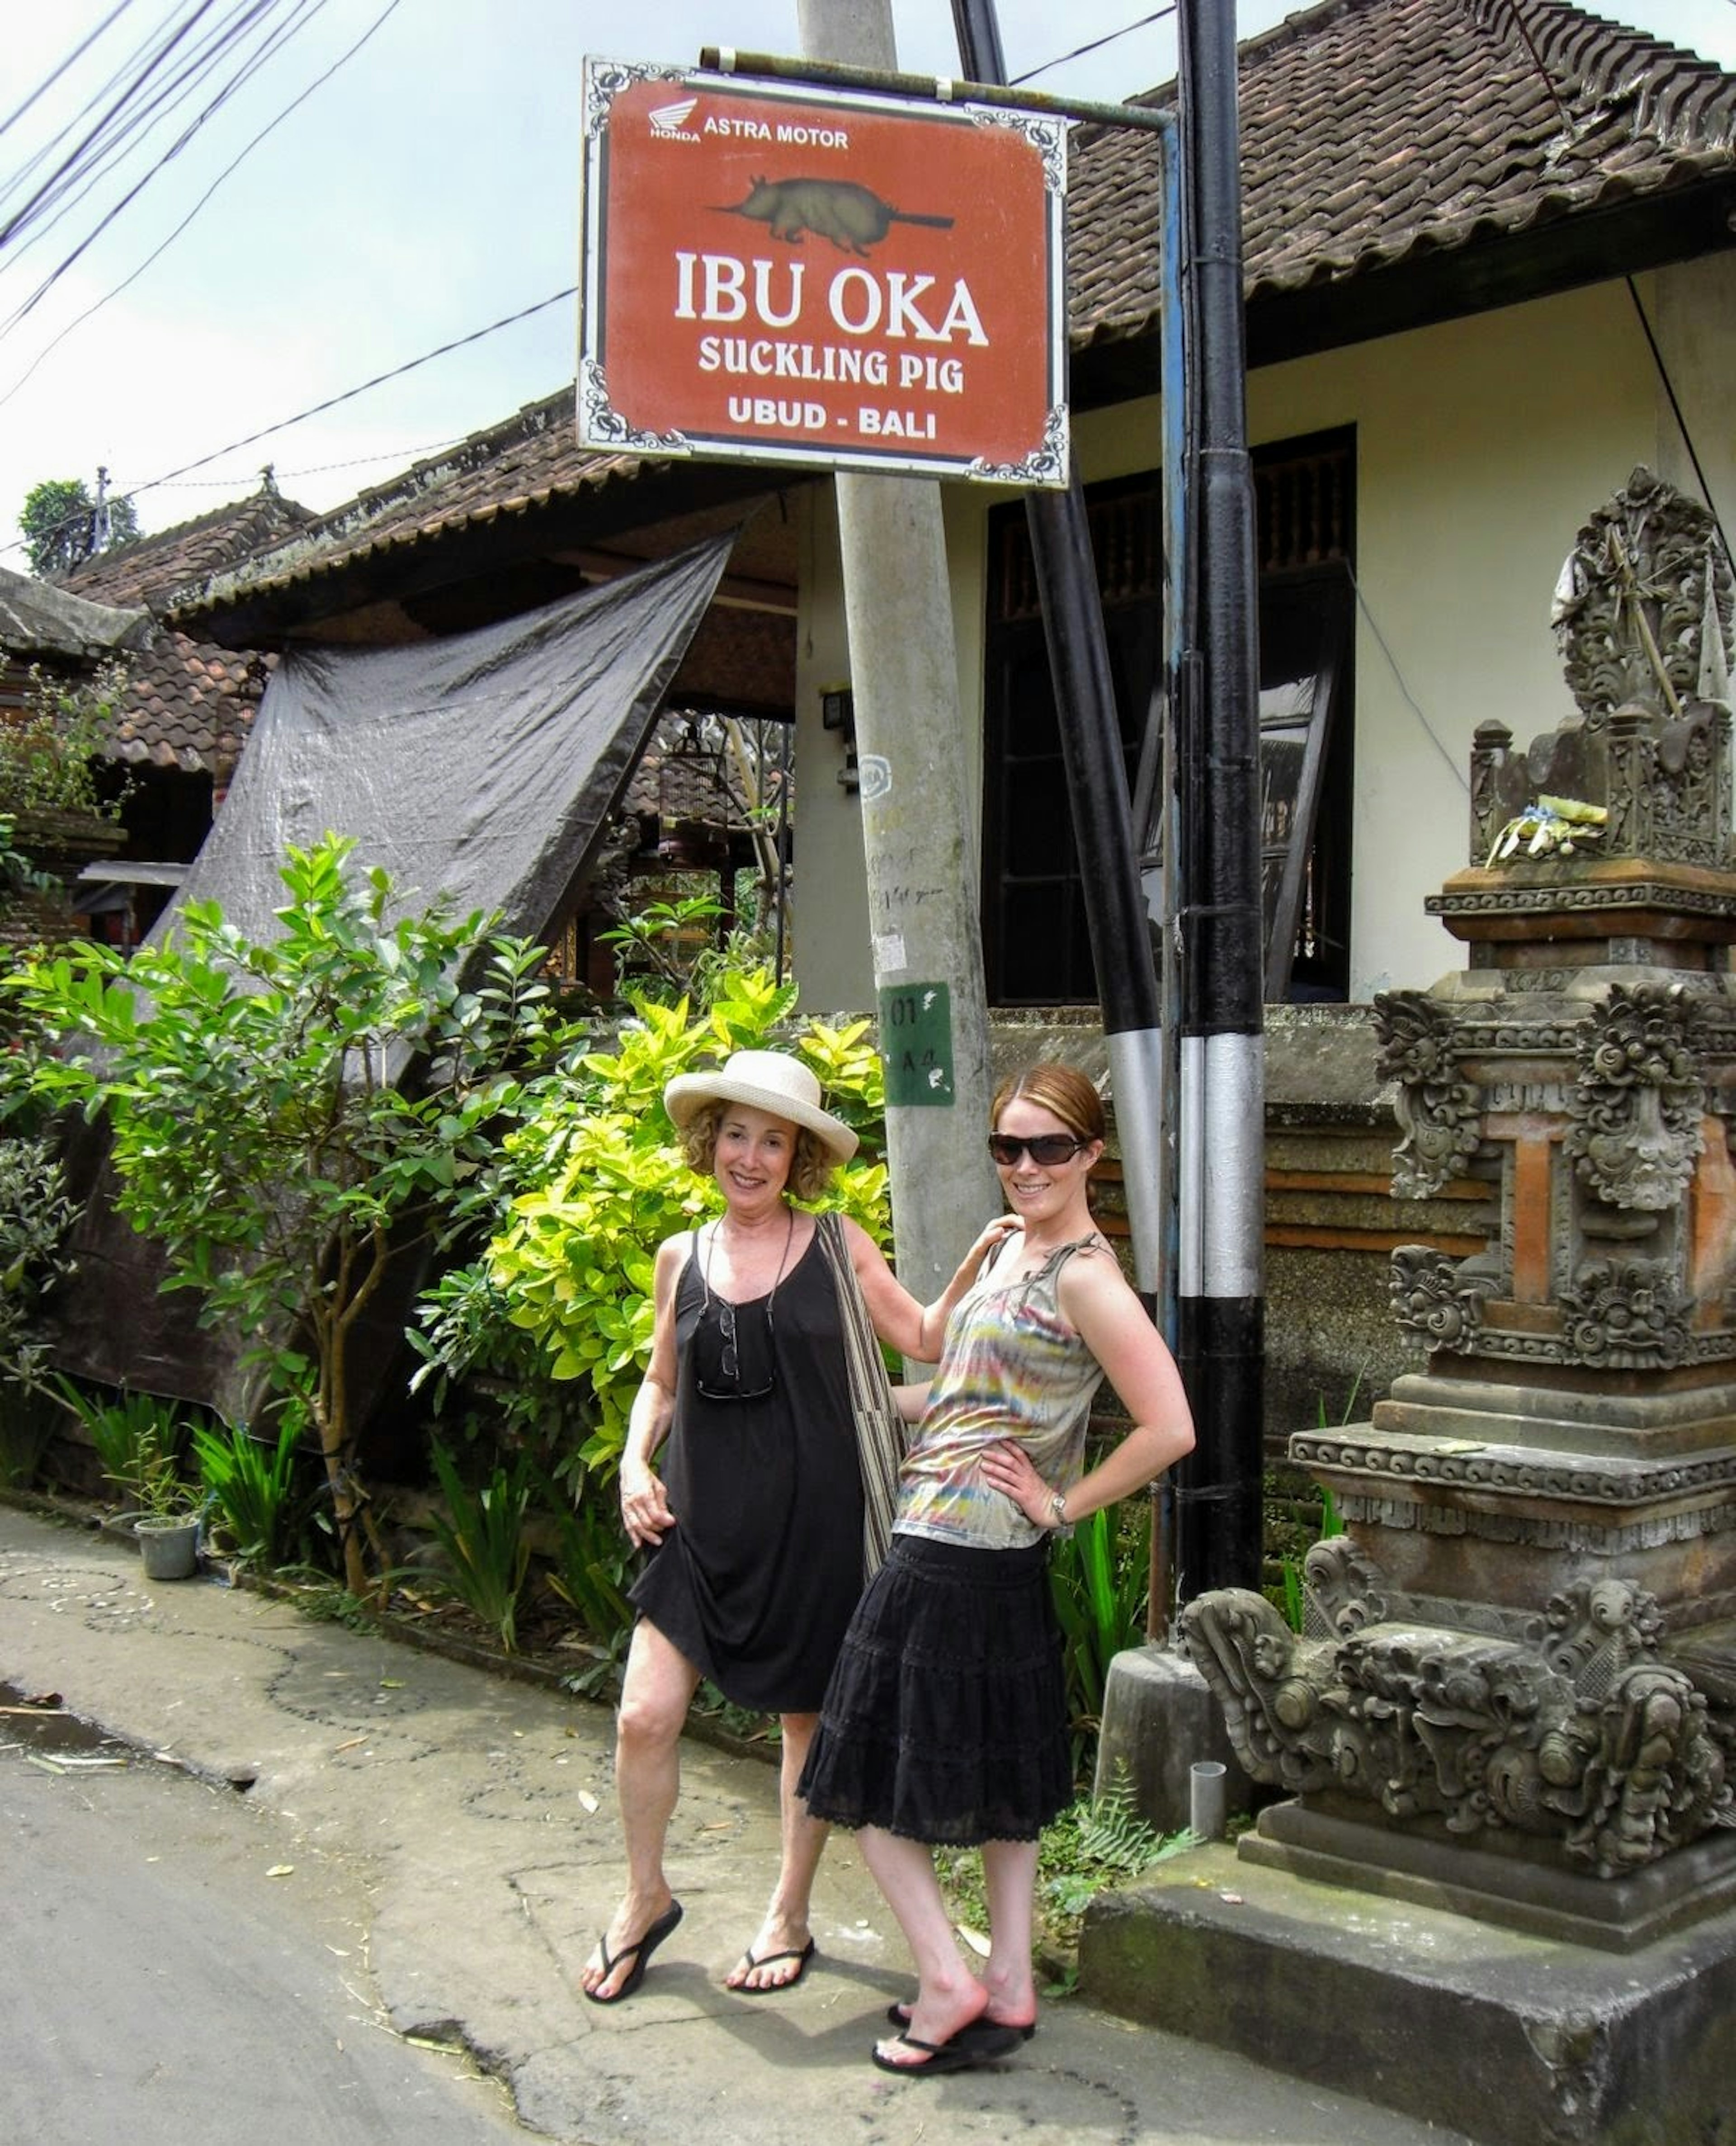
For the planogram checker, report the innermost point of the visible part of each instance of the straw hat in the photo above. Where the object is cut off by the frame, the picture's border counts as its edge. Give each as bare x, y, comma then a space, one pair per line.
767, 1081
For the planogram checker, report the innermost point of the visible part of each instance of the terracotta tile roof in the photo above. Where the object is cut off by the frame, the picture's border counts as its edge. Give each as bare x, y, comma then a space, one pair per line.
507, 470
188, 704
1377, 131
146, 570
676, 779
1373, 133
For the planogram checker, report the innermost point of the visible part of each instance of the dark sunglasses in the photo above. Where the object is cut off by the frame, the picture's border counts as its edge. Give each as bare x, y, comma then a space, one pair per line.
723, 1381
1048, 1151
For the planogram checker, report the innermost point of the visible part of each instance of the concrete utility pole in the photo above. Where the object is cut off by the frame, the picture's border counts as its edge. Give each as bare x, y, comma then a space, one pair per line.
923, 877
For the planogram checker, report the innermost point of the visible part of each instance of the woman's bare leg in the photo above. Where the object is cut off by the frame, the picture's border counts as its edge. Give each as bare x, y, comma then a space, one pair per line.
655, 1693
1009, 1879
1010, 1870
949, 1996
785, 1932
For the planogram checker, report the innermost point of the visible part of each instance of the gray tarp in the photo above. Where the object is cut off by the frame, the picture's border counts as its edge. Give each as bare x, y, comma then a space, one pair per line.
485, 766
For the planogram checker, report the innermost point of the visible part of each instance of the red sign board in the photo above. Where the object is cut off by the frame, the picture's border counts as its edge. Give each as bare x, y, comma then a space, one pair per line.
782, 273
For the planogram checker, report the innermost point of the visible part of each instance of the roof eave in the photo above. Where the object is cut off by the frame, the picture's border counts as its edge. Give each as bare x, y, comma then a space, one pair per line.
1473, 272
301, 603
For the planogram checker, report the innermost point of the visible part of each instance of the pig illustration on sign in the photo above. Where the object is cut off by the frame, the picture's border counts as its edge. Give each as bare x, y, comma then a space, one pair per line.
850, 215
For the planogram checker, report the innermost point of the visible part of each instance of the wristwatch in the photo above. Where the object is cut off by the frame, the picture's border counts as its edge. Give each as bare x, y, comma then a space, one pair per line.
1058, 1507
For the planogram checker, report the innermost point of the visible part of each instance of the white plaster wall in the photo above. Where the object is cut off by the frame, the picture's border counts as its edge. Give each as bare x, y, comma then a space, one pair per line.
1693, 313
1481, 447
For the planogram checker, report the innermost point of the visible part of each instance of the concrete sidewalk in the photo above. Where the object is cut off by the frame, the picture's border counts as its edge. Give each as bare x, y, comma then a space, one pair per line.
481, 1811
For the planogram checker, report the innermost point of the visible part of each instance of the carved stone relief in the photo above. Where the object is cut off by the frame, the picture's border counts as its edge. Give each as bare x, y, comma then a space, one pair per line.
1438, 1298
1588, 1737
1633, 1133
1646, 576
1437, 1107
1625, 1315
1569, 1457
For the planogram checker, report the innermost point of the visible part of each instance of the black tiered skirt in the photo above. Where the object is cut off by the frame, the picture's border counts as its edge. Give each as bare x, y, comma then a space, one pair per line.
946, 1720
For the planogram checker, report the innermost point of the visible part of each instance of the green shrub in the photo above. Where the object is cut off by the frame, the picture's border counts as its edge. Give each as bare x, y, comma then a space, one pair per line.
249, 1484
596, 1180
139, 1441
290, 1115
1098, 1844
591, 1567
52, 752
1099, 1580
36, 1218
483, 1534
28, 1420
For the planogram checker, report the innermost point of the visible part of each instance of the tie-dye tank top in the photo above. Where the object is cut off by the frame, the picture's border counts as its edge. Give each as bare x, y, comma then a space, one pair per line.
1010, 1368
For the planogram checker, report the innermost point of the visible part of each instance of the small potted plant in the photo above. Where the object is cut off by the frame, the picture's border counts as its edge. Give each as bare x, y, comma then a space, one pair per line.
170, 1512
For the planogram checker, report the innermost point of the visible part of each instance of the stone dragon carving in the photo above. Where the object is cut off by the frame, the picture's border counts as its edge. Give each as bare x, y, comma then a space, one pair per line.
1625, 1315
1438, 1298
1586, 1736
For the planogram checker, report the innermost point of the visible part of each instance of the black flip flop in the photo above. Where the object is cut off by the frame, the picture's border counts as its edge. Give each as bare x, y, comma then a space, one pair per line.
900, 2016
970, 2046
801, 1956
639, 1953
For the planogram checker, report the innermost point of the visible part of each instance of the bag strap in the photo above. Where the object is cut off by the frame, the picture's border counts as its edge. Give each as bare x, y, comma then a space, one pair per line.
878, 1427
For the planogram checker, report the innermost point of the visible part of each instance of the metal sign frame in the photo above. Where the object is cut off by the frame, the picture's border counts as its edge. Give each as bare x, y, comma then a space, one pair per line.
858, 334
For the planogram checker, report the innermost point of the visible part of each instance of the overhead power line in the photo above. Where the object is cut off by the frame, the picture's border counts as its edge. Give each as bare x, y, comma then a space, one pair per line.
319, 82
250, 65
332, 401
245, 69
402, 456
1097, 44
129, 108
349, 394
78, 53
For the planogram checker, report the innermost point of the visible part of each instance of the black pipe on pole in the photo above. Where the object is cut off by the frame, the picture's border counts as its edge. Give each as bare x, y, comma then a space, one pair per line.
1103, 831
1220, 1308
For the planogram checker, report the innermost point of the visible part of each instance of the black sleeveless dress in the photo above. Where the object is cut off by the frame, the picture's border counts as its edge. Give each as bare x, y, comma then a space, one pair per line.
756, 1580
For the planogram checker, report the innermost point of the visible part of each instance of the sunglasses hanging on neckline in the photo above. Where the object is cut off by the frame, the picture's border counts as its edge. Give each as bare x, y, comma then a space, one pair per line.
725, 1384
722, 1381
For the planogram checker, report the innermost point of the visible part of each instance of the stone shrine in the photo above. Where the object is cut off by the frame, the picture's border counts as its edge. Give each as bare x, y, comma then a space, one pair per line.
1514, 1694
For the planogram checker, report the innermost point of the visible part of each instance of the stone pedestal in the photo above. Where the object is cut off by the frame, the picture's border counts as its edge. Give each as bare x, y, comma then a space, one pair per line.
1514, 1692
1159, 1718
1514, 2038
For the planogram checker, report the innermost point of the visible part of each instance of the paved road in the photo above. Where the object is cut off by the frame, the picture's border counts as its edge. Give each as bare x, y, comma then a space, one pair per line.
480, 1813
161, 1987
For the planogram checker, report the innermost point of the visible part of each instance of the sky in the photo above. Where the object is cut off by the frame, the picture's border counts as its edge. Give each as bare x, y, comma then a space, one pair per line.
425, 189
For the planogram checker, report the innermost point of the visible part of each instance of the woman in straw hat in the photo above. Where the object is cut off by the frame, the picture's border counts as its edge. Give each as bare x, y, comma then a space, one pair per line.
755, 1524
946, 1720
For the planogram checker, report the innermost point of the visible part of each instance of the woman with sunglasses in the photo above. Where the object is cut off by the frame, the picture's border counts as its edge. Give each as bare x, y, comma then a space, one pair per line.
945, 1719
755, 1525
